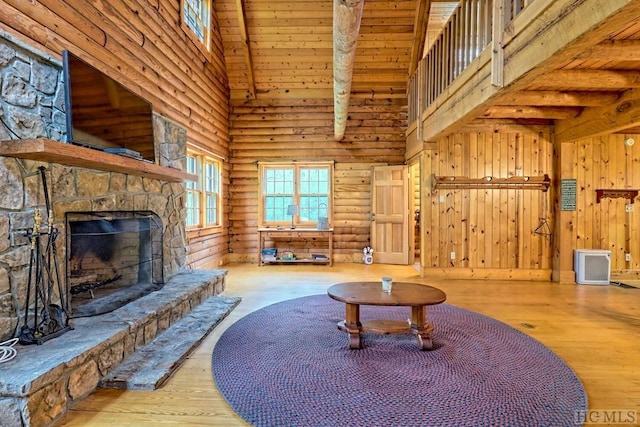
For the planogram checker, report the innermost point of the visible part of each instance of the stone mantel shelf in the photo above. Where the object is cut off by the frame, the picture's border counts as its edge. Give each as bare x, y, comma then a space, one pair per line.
47, 150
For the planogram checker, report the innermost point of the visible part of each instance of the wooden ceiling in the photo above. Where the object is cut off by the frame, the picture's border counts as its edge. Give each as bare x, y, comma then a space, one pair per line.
283, 50
290, 48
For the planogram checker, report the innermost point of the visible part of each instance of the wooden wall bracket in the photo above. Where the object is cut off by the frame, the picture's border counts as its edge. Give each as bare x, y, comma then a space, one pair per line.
489, 182
616, 194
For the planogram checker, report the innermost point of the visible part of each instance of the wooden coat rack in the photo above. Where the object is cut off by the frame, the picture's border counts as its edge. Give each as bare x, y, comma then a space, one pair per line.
489, 182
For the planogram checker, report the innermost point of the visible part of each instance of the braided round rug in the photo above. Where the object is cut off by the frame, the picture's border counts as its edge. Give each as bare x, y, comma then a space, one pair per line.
288, 365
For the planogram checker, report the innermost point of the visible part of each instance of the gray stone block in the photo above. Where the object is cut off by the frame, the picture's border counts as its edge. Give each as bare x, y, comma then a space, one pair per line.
149, 367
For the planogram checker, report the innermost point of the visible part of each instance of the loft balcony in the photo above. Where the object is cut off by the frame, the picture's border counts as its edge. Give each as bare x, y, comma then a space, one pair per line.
571, 65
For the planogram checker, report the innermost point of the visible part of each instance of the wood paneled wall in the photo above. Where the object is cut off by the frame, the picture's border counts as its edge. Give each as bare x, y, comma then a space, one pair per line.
491, 231
607, 163
297, 130
141, 45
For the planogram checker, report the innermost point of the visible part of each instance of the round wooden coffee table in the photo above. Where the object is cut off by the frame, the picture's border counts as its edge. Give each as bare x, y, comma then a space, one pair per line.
414, 295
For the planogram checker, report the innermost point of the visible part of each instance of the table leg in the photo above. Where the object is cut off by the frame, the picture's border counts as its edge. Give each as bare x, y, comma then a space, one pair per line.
421, 327
353, 325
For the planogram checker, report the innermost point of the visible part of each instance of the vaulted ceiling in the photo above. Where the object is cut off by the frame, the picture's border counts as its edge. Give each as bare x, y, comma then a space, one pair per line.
283, 50
343, 49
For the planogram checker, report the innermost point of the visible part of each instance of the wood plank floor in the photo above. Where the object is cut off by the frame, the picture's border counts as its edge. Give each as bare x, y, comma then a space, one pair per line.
595, 329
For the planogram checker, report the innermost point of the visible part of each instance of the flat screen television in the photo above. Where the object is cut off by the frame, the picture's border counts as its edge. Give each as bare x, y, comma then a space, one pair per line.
103, 114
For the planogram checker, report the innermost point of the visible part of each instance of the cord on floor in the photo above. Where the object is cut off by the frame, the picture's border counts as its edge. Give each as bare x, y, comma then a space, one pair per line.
7, 351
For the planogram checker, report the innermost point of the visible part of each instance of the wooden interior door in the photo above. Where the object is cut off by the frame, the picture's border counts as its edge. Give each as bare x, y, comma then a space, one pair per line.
390, 215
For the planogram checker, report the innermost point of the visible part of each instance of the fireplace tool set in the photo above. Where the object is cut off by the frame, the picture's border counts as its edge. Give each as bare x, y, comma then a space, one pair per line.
45, 293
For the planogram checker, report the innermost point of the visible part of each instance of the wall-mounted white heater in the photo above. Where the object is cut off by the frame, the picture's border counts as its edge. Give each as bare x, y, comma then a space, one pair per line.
592, 266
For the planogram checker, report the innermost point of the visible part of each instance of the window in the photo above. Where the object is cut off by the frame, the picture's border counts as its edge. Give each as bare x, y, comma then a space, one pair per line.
306, 185
203, 195
196, 15
193, 193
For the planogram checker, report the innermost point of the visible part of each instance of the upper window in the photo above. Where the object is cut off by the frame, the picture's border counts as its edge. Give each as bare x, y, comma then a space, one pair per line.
295, 194
203, 195
196, 15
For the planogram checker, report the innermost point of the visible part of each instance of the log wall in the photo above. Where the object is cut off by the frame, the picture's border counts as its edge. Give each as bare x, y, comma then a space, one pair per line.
291, 129
282, 101
141, 45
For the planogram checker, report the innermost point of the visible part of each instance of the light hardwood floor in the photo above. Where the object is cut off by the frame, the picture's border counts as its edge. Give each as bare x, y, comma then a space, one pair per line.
595, 329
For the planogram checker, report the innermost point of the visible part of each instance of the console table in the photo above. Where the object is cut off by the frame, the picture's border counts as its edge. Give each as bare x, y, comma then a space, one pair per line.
296, 234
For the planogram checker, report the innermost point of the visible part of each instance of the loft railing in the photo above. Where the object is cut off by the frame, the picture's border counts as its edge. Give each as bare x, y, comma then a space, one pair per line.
468, 32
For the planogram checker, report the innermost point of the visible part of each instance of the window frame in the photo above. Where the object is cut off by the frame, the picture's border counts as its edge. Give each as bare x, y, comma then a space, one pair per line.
206, 9
203, 192
297, 167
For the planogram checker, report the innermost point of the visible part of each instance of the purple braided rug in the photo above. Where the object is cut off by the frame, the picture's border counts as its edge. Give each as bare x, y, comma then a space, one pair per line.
288, 365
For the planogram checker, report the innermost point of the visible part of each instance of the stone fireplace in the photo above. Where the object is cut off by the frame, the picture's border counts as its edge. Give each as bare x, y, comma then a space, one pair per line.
120, 234
127, 198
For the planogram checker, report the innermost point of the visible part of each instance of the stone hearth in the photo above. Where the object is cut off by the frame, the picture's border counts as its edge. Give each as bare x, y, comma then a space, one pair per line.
43, 381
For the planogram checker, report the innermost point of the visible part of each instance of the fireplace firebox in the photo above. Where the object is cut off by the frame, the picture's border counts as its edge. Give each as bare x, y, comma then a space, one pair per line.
112, 258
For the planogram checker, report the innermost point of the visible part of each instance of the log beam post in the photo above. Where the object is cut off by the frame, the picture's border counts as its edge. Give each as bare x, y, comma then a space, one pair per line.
346, 27
497, 52
246, 49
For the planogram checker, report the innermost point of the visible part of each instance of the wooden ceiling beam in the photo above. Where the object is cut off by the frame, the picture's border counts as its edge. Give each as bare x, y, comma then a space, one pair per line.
419, 33
623, 114
531, 112
585, 79
246, 49
555, 98
347, 15
508, 125
613, 50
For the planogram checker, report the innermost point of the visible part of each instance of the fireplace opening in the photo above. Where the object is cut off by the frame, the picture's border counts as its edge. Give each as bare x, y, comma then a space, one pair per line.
113, 258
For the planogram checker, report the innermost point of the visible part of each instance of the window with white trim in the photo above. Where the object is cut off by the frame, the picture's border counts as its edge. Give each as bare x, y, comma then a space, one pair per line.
196, 15
305, 185
203, 196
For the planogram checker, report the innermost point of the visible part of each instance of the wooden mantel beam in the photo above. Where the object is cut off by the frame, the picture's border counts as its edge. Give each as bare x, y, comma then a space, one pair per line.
346, 27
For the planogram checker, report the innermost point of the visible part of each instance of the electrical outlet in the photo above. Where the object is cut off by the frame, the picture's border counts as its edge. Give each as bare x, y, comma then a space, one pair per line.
628, 208
443, 199
627, 257
453, 255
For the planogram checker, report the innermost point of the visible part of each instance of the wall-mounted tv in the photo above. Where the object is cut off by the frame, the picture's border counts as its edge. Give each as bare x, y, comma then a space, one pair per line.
103, 114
